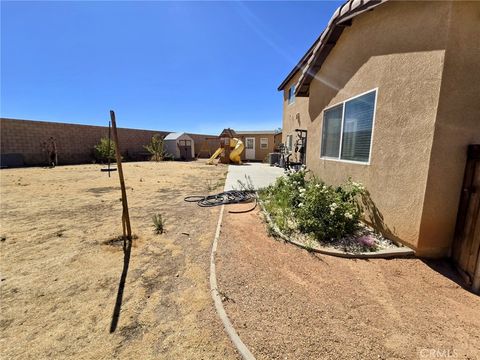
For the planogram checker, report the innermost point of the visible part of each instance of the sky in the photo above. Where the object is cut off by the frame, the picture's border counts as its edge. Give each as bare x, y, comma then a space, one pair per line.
175, 66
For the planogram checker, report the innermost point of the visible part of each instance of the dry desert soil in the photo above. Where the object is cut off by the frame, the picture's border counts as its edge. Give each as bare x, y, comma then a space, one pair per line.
61, 264
71, 289
289, 304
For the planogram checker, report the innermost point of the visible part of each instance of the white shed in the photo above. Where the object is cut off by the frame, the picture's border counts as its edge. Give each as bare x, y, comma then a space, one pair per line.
180, 145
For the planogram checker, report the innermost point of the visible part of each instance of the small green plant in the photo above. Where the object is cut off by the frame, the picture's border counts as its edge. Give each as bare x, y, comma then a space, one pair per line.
158, 223
155, 148
105, 150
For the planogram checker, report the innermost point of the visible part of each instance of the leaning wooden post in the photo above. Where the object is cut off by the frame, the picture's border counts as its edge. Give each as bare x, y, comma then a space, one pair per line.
125, 216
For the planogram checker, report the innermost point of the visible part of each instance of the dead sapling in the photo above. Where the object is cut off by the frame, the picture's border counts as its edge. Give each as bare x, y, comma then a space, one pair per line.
158, 223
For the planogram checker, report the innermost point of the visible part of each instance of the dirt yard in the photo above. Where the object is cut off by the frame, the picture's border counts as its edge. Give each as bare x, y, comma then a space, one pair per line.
61, 265
289, 304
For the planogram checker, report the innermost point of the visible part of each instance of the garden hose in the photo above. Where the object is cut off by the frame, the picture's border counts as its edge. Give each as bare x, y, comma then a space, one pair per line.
225, 198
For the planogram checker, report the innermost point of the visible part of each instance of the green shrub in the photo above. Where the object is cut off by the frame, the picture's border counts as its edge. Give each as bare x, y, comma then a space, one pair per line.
326, 212
312, 207
155, 148
282, 198
105, 149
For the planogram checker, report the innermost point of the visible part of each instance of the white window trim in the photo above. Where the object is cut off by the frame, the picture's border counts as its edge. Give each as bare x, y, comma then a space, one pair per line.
289, 142
339, 159
288, 96
266, 143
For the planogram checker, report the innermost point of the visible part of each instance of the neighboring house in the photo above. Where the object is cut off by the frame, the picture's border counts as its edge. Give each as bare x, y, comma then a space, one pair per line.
180, 145
258, 144
390, 96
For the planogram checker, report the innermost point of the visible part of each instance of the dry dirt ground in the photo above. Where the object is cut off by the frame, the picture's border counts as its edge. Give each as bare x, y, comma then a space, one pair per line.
60, 269
289, 304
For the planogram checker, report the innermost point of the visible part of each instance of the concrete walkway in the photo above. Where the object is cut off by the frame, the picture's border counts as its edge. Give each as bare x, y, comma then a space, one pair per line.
258, 174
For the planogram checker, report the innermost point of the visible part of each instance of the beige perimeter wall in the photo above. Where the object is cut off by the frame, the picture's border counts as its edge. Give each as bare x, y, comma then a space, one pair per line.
400, 49
74, 142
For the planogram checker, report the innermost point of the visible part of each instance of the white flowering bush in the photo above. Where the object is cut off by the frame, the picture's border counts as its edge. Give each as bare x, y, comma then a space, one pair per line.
312, 207
282, 198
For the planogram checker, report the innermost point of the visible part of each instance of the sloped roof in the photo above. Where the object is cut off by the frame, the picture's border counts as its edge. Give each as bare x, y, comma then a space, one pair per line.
311, 62
256, 132
175, 136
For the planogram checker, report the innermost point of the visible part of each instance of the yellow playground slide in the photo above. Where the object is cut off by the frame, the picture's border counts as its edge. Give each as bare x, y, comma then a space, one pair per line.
237, 146
215, 155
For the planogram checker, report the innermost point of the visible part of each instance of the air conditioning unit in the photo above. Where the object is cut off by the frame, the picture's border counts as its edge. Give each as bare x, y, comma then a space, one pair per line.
274, 159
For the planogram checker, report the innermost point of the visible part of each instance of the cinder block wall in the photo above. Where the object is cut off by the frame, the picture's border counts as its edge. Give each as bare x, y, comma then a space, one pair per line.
74, 142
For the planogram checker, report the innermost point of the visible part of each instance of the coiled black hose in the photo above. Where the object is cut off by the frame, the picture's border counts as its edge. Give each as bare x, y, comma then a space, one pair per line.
223, 198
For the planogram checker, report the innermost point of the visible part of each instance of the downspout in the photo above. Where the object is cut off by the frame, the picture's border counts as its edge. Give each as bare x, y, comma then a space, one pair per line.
476, 278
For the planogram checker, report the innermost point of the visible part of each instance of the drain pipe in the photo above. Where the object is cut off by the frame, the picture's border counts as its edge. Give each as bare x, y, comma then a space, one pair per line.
476, 278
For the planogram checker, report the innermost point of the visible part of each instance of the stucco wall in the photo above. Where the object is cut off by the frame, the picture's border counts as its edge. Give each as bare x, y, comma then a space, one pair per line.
398, 48
260, 154
457, 125
290, 119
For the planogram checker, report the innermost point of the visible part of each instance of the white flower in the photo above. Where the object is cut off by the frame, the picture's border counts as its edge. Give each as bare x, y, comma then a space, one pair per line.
317, 185
333, 206
357, 185
300, 205
348, 215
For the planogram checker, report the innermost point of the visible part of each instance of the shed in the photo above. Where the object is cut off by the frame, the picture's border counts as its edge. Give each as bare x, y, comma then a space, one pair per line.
180, 145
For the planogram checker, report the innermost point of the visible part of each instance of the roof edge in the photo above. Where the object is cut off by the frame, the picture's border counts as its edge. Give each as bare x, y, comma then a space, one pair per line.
320, 49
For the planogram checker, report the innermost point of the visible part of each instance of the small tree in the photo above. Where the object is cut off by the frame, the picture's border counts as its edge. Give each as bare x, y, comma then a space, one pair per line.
105, 149
49, 147
155, 147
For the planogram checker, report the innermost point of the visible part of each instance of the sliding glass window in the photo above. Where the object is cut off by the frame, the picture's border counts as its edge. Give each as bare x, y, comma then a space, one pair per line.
347, 129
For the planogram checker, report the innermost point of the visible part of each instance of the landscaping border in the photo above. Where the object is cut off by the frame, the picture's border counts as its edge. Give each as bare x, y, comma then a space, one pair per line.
232, 333
381, 254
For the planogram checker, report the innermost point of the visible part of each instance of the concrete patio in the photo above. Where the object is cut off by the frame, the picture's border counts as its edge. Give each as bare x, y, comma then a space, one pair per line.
257, 174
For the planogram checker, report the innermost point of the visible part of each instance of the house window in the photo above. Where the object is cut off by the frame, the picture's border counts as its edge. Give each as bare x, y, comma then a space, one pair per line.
347, 129
289, 142
263, 143
291, 95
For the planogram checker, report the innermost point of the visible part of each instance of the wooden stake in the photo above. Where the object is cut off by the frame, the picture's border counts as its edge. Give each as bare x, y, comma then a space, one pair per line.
109, 137
125, 216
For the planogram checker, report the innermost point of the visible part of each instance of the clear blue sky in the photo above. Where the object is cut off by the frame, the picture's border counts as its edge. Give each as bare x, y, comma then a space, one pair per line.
179, 66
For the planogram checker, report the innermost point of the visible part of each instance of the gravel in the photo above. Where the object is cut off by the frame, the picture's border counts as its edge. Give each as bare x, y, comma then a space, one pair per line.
287, 303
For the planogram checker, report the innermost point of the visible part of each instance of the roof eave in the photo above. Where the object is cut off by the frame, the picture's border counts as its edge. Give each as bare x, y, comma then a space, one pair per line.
312, 61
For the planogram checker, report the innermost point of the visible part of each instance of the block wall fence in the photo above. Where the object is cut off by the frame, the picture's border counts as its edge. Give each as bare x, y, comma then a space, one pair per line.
74, 142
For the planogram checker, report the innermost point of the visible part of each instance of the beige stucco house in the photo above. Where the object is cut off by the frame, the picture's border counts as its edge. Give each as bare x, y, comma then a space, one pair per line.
390, 96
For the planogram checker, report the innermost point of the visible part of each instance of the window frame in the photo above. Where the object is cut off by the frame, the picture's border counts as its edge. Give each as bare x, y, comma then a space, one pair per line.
289, 142
339, 158
291, 91
266, 143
